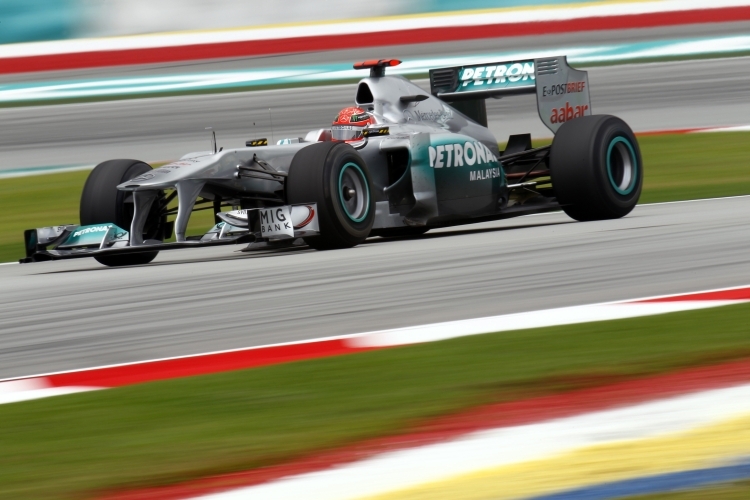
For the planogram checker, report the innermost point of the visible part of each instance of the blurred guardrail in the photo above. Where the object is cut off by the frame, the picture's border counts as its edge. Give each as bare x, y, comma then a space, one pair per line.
26, 20
253, 41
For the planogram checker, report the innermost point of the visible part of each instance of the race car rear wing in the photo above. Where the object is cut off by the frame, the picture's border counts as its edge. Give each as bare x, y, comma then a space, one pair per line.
562, 92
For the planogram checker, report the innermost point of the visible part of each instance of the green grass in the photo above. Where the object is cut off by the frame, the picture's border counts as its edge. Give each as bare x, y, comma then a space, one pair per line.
692, 166
171, 431
38, 201
731, 491
677, 167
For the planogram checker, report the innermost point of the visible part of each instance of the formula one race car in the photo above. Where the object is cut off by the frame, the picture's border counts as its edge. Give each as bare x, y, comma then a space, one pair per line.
401, 162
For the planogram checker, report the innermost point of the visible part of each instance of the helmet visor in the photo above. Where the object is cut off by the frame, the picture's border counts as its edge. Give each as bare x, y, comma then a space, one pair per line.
345, 132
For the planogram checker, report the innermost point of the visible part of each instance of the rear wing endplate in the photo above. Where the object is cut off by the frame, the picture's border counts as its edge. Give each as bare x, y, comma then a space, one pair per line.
562, 92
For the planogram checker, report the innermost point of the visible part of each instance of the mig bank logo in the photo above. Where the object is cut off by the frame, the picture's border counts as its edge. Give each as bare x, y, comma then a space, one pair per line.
497, 76
276, 222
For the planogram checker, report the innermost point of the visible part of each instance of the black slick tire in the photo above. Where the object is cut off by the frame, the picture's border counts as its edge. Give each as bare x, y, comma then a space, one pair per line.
333, 175
596, 168
102, 202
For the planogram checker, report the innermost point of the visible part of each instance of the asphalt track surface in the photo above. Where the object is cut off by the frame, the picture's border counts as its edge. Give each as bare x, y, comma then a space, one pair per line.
75, 314
674, 95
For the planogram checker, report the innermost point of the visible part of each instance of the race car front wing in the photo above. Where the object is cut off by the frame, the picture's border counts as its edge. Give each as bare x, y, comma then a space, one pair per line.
280, 225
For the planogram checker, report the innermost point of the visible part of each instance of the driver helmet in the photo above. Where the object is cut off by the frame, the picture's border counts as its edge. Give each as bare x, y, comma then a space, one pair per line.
349, 124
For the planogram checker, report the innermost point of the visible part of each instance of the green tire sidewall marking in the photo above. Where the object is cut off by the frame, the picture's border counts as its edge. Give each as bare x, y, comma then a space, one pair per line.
633, 160
367, 191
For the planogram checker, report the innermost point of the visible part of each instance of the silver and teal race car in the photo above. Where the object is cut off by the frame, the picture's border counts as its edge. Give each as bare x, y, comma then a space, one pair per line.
424, 160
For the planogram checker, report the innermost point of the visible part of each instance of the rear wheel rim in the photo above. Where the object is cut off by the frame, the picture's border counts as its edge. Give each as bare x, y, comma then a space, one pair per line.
622, 166
354, 192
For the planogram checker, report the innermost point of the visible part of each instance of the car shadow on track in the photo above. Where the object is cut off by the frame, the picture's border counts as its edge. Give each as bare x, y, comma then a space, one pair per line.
239, 254
235, 255
460, 231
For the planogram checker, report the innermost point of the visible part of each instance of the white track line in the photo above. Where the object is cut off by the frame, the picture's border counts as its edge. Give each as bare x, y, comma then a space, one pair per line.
738, 128
26, 390
694, 201
524, 321
31, 171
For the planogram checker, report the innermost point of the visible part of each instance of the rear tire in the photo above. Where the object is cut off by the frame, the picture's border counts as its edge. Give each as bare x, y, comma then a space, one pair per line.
333, 175
596, 168
102, 202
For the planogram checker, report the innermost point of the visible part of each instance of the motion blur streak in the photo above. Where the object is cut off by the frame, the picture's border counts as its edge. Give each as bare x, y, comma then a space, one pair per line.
621, 459
465, 25
280, 76
674, 481
674, 95
452, 426
679, 433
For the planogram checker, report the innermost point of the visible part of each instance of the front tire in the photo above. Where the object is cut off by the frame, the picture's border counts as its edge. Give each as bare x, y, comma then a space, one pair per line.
102, 202
333, 175
596, 168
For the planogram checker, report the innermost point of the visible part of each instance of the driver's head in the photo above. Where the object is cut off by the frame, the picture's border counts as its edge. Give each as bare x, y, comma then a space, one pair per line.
349, 124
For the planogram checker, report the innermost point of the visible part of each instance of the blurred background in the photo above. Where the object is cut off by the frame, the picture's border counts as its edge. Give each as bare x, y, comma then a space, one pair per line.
37, 20
83, 81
